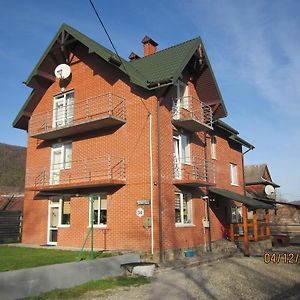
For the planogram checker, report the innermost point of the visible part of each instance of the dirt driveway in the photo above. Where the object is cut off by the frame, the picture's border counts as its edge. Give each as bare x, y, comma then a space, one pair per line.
231, 278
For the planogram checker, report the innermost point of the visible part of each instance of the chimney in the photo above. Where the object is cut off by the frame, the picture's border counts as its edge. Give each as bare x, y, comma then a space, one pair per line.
149, 45
133, 56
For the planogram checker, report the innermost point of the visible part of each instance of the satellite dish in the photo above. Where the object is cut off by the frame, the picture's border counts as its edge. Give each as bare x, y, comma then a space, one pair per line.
269, 190
62, 71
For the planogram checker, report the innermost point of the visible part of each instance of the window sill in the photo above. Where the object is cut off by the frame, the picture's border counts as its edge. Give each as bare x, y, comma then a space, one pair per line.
63, 226
99, 226
184, 225
234, 184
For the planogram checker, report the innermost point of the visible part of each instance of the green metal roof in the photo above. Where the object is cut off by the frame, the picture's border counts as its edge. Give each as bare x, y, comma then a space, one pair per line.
249, 202
154, 71
168, 63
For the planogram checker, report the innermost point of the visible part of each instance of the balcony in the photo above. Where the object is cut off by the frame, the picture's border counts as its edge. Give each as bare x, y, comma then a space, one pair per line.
80, 174
194, 172
102, 111
191, 114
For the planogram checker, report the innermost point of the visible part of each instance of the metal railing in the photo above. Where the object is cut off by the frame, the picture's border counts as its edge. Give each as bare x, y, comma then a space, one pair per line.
194, 169
189, 107
78, 171
106, 105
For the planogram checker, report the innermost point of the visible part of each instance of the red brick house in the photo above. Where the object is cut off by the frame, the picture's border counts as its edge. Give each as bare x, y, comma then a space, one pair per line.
125, 144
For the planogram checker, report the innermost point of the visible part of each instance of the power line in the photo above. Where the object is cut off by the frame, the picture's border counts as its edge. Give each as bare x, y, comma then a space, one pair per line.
110, 40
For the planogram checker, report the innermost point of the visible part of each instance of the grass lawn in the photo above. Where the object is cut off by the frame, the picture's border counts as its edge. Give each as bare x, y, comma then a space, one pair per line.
97, 288
13, 258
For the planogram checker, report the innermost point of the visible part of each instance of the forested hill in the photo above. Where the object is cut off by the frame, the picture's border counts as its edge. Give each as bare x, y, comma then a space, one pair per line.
12, 167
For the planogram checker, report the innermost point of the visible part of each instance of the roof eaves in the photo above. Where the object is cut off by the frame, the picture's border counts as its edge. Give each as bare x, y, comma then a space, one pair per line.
241, 141
34, 71
186, 59
214, 78
20, 114
226, 127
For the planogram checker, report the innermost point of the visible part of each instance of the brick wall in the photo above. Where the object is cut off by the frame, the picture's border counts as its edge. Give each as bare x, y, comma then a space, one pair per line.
92, 76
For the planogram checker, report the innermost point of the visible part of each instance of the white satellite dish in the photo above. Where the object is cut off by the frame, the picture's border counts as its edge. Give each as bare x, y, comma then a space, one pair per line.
269, 190
62, 71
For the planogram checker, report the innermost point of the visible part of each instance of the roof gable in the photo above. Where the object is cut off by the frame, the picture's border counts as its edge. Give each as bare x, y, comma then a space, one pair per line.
256, 174
167, 64
154, 71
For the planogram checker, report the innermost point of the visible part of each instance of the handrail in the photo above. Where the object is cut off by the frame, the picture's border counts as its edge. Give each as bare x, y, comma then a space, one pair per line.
76, 171
194, 168
191, 107
104, 105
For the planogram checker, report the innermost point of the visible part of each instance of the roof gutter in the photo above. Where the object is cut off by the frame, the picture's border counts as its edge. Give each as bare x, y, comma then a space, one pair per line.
160, 83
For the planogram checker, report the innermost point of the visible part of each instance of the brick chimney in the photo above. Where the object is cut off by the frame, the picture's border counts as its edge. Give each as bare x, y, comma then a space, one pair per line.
149, 45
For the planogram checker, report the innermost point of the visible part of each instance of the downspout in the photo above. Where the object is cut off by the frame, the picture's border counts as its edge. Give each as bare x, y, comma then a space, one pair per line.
207, 200
159, 184
160, 225
245, 210
151, 182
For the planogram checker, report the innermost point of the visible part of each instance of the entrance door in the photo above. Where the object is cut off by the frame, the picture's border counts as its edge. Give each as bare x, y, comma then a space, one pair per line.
53, 222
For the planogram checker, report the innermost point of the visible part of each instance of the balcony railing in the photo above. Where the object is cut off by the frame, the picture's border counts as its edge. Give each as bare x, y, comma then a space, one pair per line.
192, 114
194, 171
105, 170
90, 114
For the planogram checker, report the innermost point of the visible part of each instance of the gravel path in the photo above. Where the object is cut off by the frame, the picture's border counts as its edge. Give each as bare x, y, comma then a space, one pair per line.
231, 278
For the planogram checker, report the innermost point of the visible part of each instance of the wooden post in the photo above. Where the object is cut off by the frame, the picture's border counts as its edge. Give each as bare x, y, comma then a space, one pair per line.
267, 220
255, 229
245, 227
231, 232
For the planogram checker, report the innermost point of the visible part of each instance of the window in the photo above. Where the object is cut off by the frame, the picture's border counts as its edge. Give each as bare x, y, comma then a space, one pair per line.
233, 174
63, 215
182, 99
181, 148
99, 210
61, 158
236, 214
65, 211
182, 94
63, 108
213, 144
183, 209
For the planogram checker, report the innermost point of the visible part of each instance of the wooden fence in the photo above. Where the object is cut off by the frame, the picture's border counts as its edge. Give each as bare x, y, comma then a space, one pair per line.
10, 226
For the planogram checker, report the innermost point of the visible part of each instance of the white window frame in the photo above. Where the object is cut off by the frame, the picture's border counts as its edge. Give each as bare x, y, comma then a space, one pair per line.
236, 215
61, 211
183, 147
99, 225
213, 147
64, 164
57, 202
183, 100
233, 174
189, 209
67, 109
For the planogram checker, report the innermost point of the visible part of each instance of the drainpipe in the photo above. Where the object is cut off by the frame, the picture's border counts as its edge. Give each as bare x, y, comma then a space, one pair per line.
161, 248
245, 210
151, 182
207, 200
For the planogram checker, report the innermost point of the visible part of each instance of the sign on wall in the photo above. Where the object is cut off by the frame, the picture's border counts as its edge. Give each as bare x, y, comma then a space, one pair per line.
139, 212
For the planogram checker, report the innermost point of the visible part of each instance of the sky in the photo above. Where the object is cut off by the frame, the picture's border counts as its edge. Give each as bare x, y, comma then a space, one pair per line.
253, 47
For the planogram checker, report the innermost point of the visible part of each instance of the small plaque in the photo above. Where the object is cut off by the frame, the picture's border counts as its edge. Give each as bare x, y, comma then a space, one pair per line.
139, 212
143, 202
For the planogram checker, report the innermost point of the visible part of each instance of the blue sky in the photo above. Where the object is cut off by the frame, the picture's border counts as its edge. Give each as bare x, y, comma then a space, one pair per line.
253, 47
